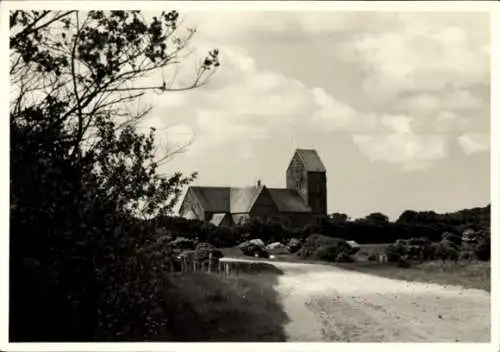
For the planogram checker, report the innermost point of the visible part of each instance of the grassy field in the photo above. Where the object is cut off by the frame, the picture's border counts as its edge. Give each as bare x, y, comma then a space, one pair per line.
466, 274
473, 274
216, 308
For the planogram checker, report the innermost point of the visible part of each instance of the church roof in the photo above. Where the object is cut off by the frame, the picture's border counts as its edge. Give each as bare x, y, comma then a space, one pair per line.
311, 160
241, 199
214, 199
218, 218
288, 200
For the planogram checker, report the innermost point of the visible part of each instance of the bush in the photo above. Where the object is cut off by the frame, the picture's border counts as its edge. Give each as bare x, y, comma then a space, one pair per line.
419, 241
344, 257
224, 237
403, 263
452, 239
327, 253
294, 245
182, 243
372, 257
466, 255
203, 251
430, 251
483, 248
395, 251
321, 247
277, 248
251, 249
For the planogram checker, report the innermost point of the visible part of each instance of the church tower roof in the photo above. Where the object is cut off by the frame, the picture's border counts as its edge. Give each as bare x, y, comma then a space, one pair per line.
311, 160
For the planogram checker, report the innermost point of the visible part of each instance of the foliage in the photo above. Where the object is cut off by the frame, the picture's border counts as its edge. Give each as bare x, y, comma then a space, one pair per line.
203, 251
82, 173
411, 224
277, 248
294, 245
452, 239
377, 218
344, 257
403, 263
483, 247
395, 251
321, 247
251, 249
183, 243
338, 218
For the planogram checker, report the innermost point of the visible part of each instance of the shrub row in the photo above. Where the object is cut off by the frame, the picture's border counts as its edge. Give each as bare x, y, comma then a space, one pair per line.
270, 231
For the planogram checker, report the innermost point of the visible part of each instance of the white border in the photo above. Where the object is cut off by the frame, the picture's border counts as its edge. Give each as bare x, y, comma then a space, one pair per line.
240, 6
4, 160
495, 176
440, 6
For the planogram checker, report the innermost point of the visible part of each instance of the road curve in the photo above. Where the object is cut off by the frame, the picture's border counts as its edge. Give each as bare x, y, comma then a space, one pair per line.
329, 304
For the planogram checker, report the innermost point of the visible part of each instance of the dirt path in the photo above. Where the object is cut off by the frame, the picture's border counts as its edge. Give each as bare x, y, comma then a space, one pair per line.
325, 303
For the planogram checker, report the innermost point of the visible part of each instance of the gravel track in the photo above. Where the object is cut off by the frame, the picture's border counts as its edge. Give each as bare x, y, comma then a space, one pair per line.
327, 304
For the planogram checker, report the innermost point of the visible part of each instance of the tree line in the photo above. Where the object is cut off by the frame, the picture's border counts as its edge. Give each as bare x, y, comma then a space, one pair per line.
374, 228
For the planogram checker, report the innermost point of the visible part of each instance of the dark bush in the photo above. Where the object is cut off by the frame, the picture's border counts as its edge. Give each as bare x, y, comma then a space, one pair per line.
403, 263
429, 251
294, 245
327, 253
372, 258
466, 255
419, 241
182, 243
396, 251
322, 248
483, 248
203, 251
344, 257
252, 250
452, 239
224, 237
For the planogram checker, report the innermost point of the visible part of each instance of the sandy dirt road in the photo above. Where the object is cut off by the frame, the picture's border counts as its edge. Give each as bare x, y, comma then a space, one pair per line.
327, 304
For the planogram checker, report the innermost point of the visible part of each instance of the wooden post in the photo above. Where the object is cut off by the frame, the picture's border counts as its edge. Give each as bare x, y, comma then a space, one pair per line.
210, 262
184, 264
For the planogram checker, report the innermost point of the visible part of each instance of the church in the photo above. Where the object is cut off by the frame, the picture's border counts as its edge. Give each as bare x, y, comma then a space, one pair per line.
302, 202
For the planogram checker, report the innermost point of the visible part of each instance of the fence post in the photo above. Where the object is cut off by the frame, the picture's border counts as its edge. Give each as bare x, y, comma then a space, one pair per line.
210, 262
184, 264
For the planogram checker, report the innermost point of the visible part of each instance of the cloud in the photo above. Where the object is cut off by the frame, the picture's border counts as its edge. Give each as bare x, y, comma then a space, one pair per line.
474, 142
247, 106
419, 70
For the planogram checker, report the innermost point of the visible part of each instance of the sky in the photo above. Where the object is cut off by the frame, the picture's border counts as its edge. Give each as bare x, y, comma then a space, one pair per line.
396, 104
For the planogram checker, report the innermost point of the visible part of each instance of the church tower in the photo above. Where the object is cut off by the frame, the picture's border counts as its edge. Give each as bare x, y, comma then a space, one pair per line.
307, 174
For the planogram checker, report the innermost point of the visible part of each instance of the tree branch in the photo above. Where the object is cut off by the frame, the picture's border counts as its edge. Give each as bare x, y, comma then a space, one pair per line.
75, 88
27, 31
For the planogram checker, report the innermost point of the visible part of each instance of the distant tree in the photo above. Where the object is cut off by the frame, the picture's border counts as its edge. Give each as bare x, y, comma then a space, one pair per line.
377, 218
338, 218
408, 216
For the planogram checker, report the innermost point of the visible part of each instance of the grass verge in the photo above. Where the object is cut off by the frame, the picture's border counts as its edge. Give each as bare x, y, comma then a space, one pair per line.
468, 275
217, 308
